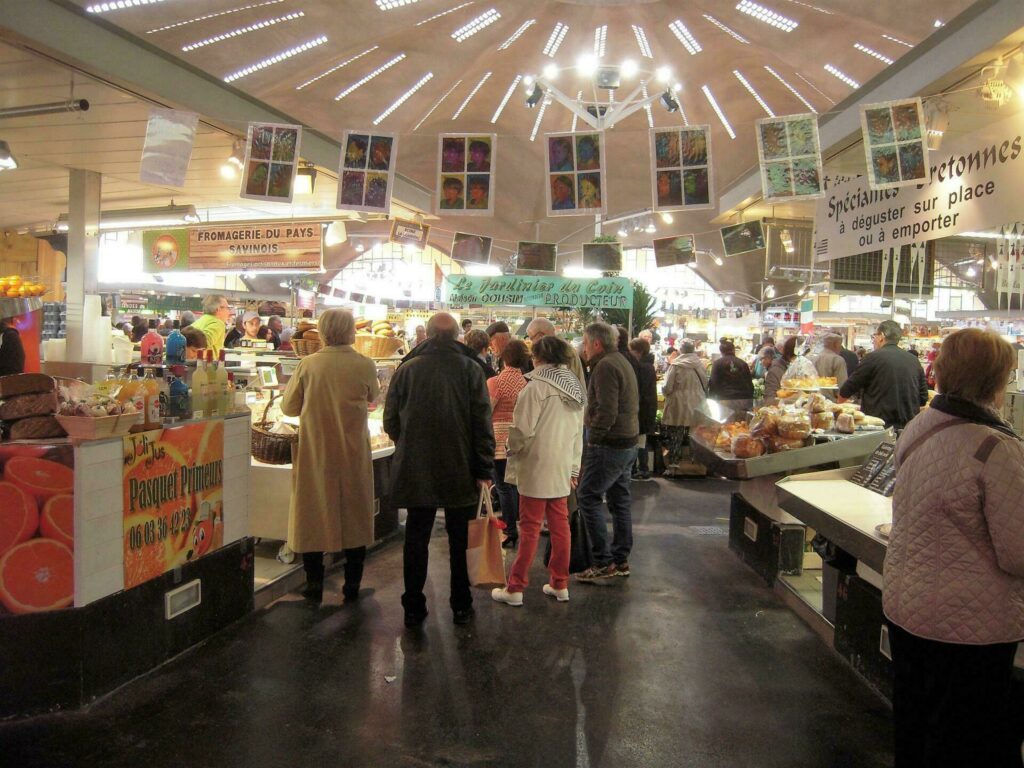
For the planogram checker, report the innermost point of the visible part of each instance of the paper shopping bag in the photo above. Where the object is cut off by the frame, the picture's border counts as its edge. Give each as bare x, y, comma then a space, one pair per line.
484, 556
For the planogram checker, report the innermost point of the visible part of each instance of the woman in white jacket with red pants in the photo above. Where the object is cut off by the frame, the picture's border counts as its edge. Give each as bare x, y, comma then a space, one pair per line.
545, 443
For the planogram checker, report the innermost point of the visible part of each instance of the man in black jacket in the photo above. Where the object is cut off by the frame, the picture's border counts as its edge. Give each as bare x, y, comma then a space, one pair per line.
890, 380
439, 414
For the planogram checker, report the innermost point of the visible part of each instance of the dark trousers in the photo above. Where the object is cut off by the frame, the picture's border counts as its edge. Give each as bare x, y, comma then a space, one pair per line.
606, 475
508, 497
951, 704
418, 525
313, 565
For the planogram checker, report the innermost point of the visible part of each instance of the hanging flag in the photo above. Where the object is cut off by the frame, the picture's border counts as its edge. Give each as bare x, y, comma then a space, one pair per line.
465, 174
886, 256
789, 153
271, 161
895, 143
170, 135
366, 171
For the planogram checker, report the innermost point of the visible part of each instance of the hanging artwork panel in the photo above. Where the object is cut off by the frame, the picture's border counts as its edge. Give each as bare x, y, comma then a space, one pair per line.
465, 174
895, 143
366, 172
681, 168
789, 153
536, 257
170, 135
271, 161
471, 249
575, 177
670, 251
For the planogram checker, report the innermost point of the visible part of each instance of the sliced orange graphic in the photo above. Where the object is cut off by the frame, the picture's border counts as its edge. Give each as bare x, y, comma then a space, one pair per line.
37, 575
19, 516
58, 520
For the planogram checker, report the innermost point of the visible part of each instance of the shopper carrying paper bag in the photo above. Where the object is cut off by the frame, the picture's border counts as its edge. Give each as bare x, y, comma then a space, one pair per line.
484, 559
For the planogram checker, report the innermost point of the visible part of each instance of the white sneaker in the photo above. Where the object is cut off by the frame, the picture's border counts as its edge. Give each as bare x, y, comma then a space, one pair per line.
502, 595
561, 595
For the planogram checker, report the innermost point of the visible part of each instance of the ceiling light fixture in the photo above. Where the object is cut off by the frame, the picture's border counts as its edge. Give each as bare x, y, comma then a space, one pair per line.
517, 34
840, 75
872, 52
335, 234
767, 16
504, 101
137, 218
641, 42
718, 111
647, 105
403, 98
586, 64
938, 23
629, 68
555, 39
651, 228
207, 16
937, 120
242, 31
971, 272
715, 258
276, 58
471, 95
436, 105
812, 7
727, 29
364, 80
534, 96
305, 179
575, 115
684, 36
231, 167
335, 68
482, 21
663, 74
669, 102
8, 162
550, 71
666, 217
390, 5
437, 16
816, 89
791, 89
118, 5
540, 117
753, 92
898, 41
600, 38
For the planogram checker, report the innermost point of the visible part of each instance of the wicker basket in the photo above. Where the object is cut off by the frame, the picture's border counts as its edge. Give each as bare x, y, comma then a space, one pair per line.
270, 448
377, 346
305, 347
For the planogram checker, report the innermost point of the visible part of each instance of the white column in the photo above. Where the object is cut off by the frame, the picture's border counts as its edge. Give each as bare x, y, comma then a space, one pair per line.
83, 254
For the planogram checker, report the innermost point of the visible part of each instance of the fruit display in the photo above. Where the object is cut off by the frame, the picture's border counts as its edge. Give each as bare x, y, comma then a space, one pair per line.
96, 406
811, 382
16, 287
366, 327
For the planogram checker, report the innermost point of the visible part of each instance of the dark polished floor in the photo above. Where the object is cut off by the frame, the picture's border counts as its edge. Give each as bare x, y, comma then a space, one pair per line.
692, 661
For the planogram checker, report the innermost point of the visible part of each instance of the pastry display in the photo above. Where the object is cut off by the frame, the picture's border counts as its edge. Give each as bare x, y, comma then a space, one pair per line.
845, 423
824, 421
780, 444
794, 424
745, 446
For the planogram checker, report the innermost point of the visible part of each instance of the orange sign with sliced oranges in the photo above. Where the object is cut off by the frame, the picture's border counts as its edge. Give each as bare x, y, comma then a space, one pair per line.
173, 498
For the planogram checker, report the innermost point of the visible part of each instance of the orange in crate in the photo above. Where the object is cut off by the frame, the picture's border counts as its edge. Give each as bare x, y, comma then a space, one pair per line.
37, 575
19, 516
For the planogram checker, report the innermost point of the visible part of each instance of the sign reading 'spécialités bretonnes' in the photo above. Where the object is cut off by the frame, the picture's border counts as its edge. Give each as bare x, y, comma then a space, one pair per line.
288, 246
530, 291
977, 182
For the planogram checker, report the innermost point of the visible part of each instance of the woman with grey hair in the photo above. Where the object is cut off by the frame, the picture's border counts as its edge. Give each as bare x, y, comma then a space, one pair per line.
332, 480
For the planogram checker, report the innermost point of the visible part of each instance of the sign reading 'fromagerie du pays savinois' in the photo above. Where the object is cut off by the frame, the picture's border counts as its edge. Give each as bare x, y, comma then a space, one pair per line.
291, 246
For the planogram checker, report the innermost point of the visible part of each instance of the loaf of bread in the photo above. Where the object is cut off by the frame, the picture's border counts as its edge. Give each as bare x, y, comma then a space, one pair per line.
816, 403
825, 421
845, 423
25, 384
747, 447
23, 406
780, 444
35, 428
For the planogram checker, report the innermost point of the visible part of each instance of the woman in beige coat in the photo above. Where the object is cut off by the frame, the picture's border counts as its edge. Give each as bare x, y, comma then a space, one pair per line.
332, 482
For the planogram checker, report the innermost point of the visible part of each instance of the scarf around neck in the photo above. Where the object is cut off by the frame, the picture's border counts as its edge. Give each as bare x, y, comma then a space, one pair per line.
965, 409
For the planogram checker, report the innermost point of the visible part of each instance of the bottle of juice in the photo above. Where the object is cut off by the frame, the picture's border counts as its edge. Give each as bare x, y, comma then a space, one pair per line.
199, 378
163, 377
176, 347
152, 345
180, 403
150, 391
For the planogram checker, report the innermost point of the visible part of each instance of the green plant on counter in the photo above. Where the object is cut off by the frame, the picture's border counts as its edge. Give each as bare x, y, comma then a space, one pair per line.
759, 389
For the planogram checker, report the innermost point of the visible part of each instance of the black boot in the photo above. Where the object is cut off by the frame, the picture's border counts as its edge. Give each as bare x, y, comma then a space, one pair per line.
354, 559
313, 565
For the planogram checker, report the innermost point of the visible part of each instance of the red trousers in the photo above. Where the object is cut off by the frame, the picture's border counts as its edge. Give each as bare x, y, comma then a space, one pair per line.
531, 513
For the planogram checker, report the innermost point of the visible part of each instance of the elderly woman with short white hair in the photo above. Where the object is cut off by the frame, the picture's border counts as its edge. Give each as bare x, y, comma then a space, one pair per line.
332, 481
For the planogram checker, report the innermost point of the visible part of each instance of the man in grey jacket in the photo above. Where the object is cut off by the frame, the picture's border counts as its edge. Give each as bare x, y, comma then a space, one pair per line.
612, 422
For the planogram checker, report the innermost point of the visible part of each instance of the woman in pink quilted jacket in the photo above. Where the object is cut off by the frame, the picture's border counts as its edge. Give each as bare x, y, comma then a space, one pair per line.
504, 390
954, 573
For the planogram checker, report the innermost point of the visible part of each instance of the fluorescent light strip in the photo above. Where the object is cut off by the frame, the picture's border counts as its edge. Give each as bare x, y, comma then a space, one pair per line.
335, 68
471, 95
575, 117
728, 30
683, 35
364, 80
403, 98
641, 41
647, 107
816, 89
276, 59
242, 31
600, 38
212, 16
119, 5
437, 16
897, 40
718, 111
766, 16
508, 95
872, 52
791, 89
540, 116
753, 92
555, 39
812, 7
390, 5
517, 34
437, 104
482, 21
838, 73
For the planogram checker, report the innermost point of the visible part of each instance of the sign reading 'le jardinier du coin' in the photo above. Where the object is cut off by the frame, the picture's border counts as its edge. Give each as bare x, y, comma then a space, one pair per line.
295, 247
596, 293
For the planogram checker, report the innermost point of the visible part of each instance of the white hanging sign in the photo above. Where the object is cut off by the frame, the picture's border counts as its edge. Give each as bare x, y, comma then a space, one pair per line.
170, 135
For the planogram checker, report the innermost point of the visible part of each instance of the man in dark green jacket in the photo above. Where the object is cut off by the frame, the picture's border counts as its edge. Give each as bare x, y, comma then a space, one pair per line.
612, 425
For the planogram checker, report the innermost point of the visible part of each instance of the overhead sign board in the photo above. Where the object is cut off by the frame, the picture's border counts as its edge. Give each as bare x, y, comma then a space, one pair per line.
529, 291
285, 246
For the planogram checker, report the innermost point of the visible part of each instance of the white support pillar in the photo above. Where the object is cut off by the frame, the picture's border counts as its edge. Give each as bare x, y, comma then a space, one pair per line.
83, 255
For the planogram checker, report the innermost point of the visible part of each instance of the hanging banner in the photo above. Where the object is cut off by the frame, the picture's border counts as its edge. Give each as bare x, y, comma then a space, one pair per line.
976, 184
681, 168
670, 251
271, 161
465, 174
471, 249
366, 174
575, 172
789, 153
173, 498
409, 232
595, 293
895, 143
170, 135
293, 247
